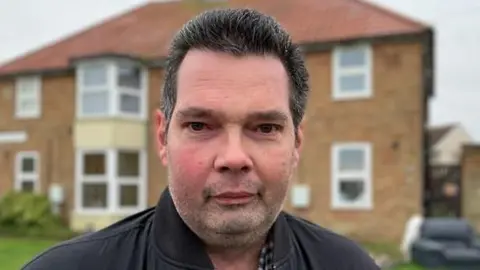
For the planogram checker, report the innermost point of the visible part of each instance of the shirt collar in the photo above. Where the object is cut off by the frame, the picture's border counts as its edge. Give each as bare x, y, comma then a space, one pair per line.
175, 240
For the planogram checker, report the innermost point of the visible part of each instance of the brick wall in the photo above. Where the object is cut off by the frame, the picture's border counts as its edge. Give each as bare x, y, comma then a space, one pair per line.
391, 121
50, 135
471, 184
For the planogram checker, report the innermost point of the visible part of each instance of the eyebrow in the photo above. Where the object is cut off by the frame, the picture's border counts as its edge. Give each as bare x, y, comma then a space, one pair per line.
267, 115
195, 112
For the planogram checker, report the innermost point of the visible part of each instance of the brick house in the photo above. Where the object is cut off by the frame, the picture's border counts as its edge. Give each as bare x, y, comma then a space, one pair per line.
77, 114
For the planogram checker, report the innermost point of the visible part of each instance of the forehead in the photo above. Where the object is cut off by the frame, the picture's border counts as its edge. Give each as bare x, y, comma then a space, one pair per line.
226, 82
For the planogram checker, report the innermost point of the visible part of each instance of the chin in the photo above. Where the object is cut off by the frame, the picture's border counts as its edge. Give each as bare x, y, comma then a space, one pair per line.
239, 222
234, 225
232, 235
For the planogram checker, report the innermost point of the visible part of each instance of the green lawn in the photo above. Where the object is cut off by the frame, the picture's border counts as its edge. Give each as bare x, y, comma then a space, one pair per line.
16, 252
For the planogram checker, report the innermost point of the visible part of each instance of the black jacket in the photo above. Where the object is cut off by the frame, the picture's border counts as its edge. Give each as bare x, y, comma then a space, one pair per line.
157, 238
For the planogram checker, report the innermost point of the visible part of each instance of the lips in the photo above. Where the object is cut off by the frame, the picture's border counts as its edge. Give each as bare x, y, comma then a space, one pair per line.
233, 198
234, 195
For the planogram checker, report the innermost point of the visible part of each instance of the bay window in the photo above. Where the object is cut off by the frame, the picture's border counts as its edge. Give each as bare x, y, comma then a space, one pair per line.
111, 180
111, 88
129, 85
94, 180
128, 178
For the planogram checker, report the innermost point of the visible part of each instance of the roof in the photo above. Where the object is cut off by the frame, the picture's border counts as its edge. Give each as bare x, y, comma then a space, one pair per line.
435, 134
146, 31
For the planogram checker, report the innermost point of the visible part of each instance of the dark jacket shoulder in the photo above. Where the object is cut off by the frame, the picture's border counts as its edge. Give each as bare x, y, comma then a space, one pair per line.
326, 249
98, 249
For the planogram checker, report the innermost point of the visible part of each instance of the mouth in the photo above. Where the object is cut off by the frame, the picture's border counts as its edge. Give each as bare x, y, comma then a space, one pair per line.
233, 198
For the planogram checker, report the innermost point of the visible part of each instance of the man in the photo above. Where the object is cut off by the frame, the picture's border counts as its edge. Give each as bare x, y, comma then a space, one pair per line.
230, 133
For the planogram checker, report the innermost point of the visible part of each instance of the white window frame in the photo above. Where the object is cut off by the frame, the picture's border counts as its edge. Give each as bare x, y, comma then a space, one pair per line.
123, 180
82, 89
366, 202
114, 90
20, 175
36, 96
112, 180
366, 70
139, 93
93, 179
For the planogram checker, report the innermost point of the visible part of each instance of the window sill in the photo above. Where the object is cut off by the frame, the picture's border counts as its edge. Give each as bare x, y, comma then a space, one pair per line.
27, 116
351, 207
358, 96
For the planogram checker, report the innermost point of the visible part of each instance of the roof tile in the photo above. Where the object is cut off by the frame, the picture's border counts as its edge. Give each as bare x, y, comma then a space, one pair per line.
146, 31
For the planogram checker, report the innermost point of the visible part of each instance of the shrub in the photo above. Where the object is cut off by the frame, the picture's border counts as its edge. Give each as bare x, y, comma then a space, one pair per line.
28, 214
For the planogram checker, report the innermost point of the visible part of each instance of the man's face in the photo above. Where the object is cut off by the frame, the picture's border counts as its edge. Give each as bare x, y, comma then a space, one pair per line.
230, 147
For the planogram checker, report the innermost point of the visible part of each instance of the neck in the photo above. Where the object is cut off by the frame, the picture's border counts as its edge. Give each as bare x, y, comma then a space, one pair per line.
234, 258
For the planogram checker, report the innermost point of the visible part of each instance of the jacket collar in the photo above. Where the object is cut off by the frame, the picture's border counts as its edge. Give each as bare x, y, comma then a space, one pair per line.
177, 242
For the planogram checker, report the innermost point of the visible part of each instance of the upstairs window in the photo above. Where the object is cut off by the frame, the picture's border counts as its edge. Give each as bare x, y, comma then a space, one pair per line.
28, 97
95, 90
114, 88
352, 72
129, 83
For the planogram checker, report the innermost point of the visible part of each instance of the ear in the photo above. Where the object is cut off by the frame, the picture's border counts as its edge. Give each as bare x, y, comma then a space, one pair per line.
299, 140
161, 136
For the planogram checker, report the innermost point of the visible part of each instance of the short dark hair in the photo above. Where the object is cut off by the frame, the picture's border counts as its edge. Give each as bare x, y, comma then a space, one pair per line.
240, 32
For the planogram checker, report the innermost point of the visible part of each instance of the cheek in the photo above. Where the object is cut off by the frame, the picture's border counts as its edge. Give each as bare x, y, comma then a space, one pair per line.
189, 168
276, 174
276, 167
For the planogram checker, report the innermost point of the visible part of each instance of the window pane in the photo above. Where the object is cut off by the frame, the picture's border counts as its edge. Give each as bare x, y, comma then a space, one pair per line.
28, 165
94, 195
28, 105
355, 57
27, 87
95, 102
129, 76
27, 186
94, 164
129, 103
95, 76
351, 160
351, 190
128, 195
27, 90
128, 164
352, 83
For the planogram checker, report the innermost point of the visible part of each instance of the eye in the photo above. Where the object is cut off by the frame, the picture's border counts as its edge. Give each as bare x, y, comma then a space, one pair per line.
196, 126
268, 128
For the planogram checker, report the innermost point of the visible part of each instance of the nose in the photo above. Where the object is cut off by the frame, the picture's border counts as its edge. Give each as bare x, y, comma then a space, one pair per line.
233, 156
